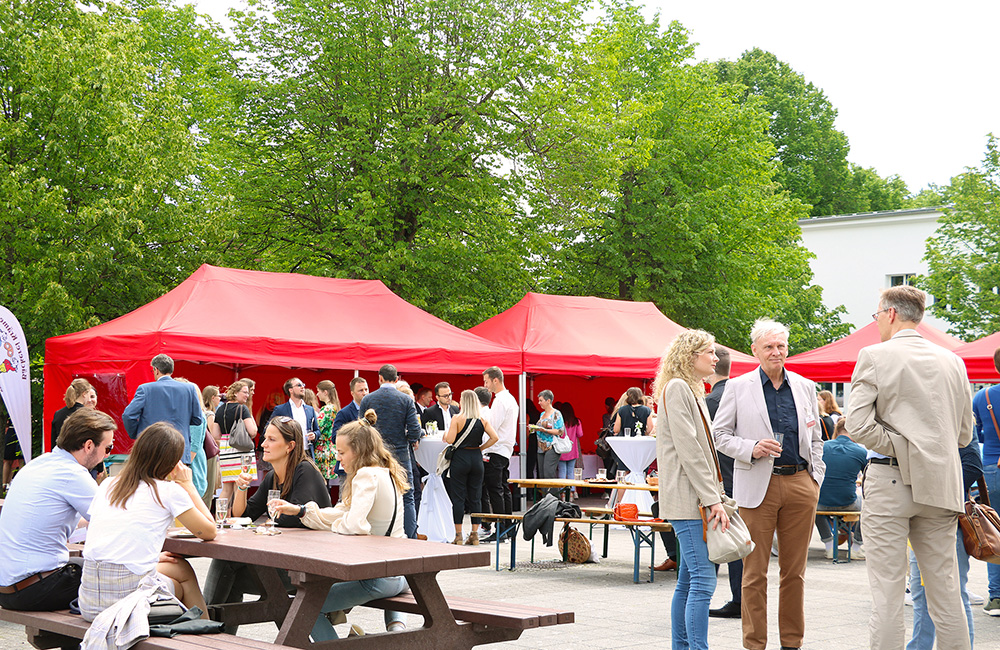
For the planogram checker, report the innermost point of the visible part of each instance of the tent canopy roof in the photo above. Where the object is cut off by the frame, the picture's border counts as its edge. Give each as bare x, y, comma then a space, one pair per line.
585, 336
251, 318
978, 357
835, 361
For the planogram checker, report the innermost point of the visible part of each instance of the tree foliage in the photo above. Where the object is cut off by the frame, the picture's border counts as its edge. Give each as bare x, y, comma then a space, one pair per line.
963, 256
699, 226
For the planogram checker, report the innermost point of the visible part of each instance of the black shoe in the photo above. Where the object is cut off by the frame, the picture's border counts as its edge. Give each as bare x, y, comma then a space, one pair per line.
729, 610
492, 537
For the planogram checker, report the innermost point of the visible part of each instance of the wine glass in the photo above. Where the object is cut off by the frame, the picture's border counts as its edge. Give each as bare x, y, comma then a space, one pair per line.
271, 512
221, 510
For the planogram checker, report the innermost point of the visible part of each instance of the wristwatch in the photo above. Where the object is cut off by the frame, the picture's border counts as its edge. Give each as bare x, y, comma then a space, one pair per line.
302, 511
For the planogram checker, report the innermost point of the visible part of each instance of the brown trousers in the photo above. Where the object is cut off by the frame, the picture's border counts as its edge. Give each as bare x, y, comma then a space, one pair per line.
788, 508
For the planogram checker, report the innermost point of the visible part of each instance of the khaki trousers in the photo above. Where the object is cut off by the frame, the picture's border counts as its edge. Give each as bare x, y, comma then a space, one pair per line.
788, 508
888, 517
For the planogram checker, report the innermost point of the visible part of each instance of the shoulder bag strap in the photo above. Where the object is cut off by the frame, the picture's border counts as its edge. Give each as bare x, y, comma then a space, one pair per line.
989, 407
711, 443
466, 430
395, 506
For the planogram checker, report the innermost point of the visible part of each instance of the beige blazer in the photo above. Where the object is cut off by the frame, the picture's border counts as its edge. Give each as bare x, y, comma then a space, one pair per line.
742, 420
911, 399
686, 466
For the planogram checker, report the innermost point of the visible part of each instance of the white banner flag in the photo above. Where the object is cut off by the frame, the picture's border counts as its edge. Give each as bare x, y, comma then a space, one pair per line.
15, 384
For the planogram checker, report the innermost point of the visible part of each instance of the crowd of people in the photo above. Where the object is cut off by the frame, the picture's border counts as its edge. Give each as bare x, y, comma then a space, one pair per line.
782, 449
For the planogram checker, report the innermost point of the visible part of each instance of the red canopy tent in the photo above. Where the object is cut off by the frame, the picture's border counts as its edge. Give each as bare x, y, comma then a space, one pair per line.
592, 337
978, 357
835, 361
586, 349
221, 322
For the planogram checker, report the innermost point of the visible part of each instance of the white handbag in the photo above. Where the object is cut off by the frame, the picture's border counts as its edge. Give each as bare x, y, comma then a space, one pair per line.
735, 543
562, 445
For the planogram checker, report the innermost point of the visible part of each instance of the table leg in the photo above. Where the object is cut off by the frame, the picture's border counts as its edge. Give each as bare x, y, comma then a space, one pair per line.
272, 606
310, 594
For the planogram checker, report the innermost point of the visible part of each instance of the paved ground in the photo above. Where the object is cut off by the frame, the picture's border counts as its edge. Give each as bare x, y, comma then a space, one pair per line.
612, 612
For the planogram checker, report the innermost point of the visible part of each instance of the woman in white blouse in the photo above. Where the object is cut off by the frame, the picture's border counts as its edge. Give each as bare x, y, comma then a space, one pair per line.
371, 504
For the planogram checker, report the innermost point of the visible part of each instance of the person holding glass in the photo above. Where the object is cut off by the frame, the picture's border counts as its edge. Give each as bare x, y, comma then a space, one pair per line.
550, 424
689, 486
297, 479
235, 408
371, 504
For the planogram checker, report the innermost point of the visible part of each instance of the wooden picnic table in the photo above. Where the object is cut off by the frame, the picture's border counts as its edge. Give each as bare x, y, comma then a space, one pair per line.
566, 483
317, 559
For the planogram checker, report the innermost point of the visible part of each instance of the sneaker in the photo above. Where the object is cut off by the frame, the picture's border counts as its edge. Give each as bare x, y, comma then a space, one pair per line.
857, 552
908, 598
356, 630
829, 549
993, 607
489, 539
974, 599
395, 626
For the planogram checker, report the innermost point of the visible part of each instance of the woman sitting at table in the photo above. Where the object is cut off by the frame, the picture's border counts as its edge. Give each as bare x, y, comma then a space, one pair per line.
689, 479
293, 473
129, 518
371, 504
465, 485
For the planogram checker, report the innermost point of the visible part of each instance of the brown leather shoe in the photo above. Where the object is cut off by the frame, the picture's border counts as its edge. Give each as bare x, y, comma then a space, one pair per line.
422, 537
666, 565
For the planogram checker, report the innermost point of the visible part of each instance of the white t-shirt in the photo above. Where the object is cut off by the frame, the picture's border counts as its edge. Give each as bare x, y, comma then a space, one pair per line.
133, 536
503, 417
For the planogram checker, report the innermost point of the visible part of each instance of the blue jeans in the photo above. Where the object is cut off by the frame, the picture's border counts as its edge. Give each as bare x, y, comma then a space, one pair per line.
566, 468
824, 525
991, 474
695, 586
344, 595
923, 626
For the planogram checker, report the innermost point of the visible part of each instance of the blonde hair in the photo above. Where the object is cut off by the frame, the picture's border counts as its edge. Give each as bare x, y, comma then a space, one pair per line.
331, 392
370, 450
469, 405
77, 389
678, 361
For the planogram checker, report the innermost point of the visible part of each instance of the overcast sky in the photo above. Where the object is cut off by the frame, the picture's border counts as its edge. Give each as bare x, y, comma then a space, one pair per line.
915, 82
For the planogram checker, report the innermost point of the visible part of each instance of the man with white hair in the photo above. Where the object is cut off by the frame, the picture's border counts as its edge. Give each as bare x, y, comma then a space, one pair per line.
768, 422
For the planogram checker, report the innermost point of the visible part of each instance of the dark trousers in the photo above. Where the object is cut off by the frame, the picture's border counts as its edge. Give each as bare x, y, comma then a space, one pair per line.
669, 540
409, 502
496, 473
418, 485
466, 485
735, 580
54, 591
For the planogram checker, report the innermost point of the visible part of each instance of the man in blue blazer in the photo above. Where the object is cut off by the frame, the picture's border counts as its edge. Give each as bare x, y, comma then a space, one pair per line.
351, 412
164, 400
298, 410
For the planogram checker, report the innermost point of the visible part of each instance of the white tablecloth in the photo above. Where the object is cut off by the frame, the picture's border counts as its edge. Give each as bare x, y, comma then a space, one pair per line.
434, 518
637, 453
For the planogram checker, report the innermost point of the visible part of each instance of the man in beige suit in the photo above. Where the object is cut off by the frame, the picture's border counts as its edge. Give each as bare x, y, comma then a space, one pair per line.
776, 485
910, 403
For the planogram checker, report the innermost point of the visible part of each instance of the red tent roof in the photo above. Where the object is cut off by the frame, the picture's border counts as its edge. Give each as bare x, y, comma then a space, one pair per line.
583, 336
978, 357
285, 319
835, 361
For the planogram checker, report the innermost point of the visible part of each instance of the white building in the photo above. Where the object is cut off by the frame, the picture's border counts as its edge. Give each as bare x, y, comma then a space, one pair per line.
857, 255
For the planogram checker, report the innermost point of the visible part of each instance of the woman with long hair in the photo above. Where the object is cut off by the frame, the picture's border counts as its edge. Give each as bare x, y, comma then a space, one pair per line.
326, 450
226, 416
210, 398
634, 417
76, 396
689, 481
129, 518
295, 476
828, 403
371, 503
466, 483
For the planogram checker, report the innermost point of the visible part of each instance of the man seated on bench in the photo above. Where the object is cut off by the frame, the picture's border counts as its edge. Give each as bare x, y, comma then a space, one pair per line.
46, 501
844, 460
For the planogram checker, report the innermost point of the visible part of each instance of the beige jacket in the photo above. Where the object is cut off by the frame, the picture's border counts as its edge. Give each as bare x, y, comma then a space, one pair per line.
688, 477
742, 420
910, 399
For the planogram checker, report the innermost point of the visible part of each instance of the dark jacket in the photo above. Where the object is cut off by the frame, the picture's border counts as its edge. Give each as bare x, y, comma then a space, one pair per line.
542, 517
436, 414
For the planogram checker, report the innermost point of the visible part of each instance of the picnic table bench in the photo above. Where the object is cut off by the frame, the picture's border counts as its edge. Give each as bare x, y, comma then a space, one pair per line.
643, 534
851, 518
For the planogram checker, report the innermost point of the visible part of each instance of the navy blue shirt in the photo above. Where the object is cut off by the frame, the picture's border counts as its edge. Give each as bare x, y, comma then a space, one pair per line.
784, 418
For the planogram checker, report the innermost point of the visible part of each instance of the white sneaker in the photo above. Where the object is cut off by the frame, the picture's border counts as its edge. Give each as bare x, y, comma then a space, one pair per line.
974, 599
857, 552
829, 550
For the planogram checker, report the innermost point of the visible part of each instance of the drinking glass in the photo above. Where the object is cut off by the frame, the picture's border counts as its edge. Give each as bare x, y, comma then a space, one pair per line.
221, 510
779, 437
271, 513
602, 474
246, 462
577, 473
620, 476
628, 432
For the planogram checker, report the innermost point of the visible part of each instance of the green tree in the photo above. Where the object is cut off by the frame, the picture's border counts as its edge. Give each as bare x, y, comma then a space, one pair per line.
866, 191
963, 255
698, 226
394, 141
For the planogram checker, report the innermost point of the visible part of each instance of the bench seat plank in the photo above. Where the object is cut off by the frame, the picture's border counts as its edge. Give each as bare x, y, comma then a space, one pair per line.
508, 615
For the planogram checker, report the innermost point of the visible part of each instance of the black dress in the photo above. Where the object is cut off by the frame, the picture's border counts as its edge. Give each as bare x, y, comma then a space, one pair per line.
466, 483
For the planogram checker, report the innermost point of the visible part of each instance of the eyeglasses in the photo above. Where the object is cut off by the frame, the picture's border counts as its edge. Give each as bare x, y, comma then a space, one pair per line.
299, 385
875, 315
107, 450
444, 395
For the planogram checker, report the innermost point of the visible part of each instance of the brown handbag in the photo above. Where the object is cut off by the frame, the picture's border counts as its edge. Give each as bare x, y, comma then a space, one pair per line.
981, 528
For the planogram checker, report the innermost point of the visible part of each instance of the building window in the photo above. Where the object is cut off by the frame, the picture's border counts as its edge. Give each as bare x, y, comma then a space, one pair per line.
902, 279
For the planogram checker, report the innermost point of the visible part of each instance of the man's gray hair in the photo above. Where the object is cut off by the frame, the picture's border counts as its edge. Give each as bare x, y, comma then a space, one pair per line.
766, 326
163, 364
906, 300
